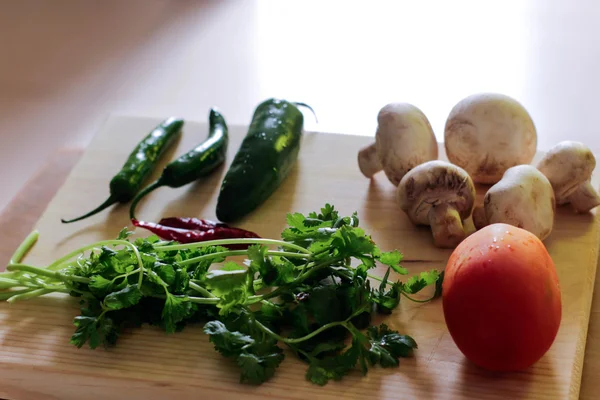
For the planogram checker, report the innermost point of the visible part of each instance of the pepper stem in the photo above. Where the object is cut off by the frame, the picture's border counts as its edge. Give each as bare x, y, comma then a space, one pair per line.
109, 202
297, 103
142, 193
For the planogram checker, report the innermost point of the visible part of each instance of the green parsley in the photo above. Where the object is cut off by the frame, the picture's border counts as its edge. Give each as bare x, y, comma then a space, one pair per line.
310, 293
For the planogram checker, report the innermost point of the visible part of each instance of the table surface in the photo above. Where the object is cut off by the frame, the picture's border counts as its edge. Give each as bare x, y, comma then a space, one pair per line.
73, 62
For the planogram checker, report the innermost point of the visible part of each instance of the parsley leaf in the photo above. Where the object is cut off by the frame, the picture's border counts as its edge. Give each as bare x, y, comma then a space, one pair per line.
438, 285
418, 282
86, 330
124, 234
176, 309
229, 344
231, 284
388, 346
350, 242
100, 286
93, 330
320, 371
258, 363
392, 259
387, 300
126, 297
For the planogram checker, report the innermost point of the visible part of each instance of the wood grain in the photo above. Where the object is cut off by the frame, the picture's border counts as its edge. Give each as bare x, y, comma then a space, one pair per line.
36, 360
24, 210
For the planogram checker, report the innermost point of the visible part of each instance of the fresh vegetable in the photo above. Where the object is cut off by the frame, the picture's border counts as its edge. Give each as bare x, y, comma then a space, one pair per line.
501, 298
264, 159
139, 165
200, 230
196, 163
523, 198
404, 139
191, 223
302, 292
441, 195
488, 133
569, 166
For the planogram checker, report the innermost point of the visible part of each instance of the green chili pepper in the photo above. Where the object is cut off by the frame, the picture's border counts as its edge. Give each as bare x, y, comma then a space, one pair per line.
140, 164
266, 156
194, 164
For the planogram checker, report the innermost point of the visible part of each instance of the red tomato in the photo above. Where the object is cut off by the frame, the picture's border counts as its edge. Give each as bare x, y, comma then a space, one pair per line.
501, 298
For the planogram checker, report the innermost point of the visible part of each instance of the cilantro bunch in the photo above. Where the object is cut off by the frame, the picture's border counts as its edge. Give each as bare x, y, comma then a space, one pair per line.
309, 293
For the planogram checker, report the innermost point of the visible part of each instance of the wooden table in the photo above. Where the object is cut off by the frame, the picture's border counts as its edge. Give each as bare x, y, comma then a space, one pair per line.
20, 216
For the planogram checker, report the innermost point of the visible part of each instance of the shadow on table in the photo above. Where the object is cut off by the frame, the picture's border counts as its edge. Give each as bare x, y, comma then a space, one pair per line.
474, 382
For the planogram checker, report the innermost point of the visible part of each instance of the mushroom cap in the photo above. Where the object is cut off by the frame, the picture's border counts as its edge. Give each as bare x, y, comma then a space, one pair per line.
523, 198
567, 165
433, 183
404, 139
488, 133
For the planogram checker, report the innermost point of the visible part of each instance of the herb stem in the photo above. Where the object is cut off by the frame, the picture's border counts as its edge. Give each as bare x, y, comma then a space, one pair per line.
287, 254
378, 279
417, 300
24, 247
238, 253
221, 242
211, 256
73, 278
77, 252
301, 277
29, 295
303, 338
35, 270
10, 293
200, 289
135, 271
202, 300
7, 283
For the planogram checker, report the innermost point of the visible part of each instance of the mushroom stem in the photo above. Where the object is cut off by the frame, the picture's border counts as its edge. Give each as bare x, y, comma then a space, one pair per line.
446, 225
368, 161
479, 218
584, 198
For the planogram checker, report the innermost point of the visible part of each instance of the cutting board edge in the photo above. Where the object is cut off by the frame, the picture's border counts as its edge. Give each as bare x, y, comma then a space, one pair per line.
577, 368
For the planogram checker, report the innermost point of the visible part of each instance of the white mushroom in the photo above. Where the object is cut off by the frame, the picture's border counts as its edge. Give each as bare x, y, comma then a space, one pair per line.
441, 195
569, 166
488, 133
523, 198
404, 139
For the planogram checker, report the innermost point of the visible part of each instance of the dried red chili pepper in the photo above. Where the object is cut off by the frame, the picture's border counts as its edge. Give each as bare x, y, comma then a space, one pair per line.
192, 235
191, 223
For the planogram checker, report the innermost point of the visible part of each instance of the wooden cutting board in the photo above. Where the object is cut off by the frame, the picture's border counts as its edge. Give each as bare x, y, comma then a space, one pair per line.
36, 360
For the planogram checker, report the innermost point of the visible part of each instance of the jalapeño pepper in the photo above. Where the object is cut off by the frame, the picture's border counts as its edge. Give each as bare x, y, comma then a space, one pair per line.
140, 164
195, 164
265, 158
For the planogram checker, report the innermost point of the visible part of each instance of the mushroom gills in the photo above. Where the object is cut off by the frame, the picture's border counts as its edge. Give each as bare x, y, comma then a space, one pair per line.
441, 195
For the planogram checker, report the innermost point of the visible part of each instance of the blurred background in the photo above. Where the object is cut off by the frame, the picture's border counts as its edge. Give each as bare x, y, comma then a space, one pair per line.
65, 65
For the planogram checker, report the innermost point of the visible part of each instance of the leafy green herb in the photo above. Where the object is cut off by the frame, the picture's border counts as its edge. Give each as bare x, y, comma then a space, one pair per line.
418, 282
310, 292
126, 297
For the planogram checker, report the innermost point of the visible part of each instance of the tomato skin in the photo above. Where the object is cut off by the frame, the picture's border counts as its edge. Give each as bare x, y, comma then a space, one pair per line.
501, 298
